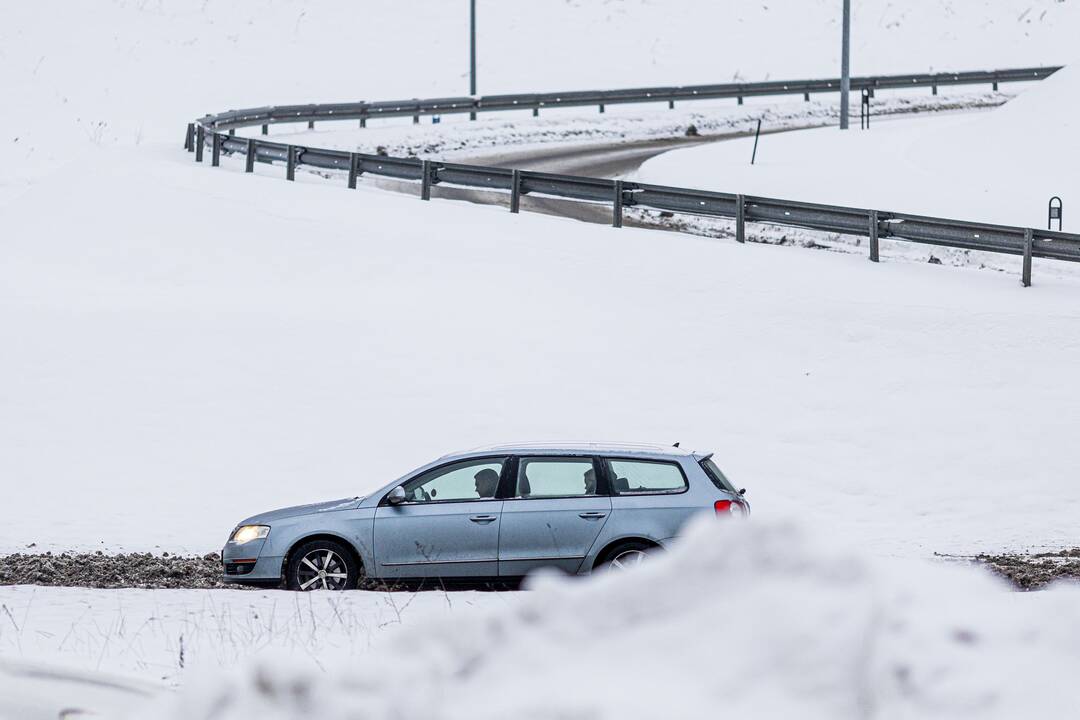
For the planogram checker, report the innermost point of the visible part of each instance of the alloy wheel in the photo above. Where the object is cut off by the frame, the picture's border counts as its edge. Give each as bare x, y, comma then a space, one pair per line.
322, 570
628, 559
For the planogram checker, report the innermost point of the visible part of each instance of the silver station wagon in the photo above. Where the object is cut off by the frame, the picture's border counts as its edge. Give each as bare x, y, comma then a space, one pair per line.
492, 514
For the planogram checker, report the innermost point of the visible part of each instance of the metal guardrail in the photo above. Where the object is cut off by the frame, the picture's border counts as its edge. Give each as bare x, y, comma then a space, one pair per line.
218, 133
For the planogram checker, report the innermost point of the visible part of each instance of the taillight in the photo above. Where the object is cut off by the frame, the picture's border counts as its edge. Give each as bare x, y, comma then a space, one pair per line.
725, 508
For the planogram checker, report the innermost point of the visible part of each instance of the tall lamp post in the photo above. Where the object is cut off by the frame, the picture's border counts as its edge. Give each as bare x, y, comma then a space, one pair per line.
472, 52
845, 67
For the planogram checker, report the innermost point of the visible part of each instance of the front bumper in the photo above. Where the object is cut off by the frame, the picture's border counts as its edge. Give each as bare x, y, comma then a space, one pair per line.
263, 570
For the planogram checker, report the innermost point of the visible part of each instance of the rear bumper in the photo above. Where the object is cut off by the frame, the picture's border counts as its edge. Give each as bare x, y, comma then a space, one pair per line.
263, 570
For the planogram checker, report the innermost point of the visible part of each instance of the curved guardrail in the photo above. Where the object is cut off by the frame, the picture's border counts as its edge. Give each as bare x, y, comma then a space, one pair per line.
218, 133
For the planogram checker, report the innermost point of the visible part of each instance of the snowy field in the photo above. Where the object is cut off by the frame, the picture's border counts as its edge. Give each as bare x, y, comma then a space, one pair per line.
1001, 166
184, 346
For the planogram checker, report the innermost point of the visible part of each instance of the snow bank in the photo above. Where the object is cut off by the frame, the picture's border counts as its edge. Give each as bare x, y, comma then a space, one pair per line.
761, 621
1000, 166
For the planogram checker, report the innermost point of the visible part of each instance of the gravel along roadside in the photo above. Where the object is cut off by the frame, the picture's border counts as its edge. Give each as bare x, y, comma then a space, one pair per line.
146, 570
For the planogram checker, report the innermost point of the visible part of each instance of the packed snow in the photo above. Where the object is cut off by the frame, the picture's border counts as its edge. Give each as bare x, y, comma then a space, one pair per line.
1001, 166
761, 621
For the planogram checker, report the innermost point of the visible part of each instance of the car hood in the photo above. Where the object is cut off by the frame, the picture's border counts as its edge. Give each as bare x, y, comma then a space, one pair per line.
297, 510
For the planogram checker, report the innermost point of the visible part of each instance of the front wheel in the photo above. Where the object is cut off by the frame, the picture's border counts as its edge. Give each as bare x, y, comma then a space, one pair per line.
322, 565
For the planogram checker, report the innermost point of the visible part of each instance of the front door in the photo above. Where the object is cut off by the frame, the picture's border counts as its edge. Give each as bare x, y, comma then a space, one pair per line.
448, 526
553, 515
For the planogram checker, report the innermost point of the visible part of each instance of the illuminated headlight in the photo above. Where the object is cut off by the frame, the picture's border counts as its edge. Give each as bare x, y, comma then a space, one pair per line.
247, 533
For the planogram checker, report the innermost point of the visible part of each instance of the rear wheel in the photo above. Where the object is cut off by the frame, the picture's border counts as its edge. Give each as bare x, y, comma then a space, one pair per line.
322, 565
628, 556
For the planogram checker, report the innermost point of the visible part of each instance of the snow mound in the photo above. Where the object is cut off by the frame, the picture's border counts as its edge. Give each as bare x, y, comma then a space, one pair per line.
754, 620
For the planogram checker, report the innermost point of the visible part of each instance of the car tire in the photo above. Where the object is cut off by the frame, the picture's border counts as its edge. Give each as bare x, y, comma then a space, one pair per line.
322, 565
627, 556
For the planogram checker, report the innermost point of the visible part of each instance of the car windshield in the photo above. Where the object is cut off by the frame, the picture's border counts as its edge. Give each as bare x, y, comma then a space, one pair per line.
716, 476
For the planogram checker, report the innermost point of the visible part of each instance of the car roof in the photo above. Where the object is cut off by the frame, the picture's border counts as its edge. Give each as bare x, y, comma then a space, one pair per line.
576, 448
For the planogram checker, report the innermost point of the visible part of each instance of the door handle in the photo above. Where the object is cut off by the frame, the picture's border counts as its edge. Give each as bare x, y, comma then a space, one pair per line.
482, 518
592, 515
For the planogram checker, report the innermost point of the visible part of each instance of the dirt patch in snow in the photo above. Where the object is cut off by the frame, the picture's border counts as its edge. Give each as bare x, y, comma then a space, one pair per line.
1032, 572
149, 571
98, 570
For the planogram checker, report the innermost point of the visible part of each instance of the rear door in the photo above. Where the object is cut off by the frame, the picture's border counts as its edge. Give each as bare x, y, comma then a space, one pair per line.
448, 526
552, 515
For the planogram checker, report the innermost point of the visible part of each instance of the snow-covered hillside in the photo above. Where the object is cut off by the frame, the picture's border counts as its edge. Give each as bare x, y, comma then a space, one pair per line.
81, 75
1000, 166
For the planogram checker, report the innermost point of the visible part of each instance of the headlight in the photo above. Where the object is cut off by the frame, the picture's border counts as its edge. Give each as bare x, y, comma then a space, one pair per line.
247, 533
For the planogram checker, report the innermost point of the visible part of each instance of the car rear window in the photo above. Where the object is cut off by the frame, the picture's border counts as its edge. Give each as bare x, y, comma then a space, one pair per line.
630, 477
716, 476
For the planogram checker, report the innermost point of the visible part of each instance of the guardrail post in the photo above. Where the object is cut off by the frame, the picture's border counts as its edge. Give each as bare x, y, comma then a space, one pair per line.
873, 236
995, 86
265, 129
740, 218
363, 122
310, 124
601, 107
249, 159
670, 104
515, 191
935, 89
806, 97
215, 152
354, 169
536, 112
1029, 240
425, 180
232, 131
290, 163
200, 138
616, 215
740, 99
189, 137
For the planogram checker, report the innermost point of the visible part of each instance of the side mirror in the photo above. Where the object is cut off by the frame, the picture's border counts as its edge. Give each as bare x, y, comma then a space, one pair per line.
396, 496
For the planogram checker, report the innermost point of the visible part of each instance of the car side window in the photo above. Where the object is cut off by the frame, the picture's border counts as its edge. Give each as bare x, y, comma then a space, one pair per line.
547, 477
466, 480
629, 477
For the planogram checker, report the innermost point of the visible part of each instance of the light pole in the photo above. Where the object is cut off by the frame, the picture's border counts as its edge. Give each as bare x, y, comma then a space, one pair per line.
845, 67
472, 52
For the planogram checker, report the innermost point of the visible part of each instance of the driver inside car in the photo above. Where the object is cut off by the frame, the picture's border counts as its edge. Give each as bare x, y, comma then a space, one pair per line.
487, 482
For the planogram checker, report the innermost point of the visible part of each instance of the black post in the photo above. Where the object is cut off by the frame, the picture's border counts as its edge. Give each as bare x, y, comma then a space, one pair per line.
265, 129
935, 89
670, 104
425, 180
616, 215
363, 122
740, 219
290, 163
354, 169
601, 107
310, 124
740, 99
873, 236
1029, 239
757, 134
472, 52
215, 152
806, 97
200, 138
249, 165
189, 137
536, 112
515, 191
232, 131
